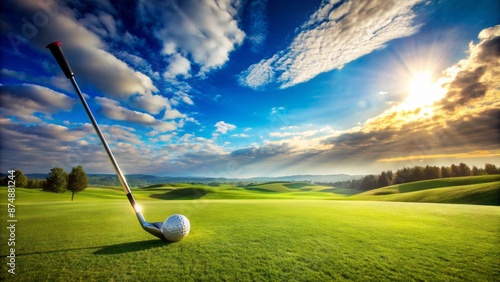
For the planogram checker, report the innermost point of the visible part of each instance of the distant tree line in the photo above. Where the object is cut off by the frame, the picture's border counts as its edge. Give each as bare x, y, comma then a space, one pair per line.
416, 173
58, 181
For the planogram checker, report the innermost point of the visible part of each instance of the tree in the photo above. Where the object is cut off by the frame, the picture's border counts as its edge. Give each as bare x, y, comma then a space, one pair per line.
432, 172
35, 183
20, 178
403, 175
445, 171
418, 173
490, 169
77, 180
390, 176
369, 182
57, 181
475, 170
455, 170
464, 170
383, 180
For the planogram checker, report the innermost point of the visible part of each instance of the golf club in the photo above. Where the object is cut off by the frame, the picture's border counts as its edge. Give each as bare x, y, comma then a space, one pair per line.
154, 228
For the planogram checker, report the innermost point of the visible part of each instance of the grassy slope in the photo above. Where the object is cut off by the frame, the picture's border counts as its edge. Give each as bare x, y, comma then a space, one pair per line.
98, 238
275, 190
483, 190
433, 183
464, 190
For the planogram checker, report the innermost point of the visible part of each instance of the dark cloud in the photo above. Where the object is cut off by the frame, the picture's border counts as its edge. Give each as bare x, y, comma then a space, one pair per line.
490, 50
465, 87
477, 76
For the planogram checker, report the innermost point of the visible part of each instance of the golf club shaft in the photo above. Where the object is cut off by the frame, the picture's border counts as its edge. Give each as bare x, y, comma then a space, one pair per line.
121, 177
55, 48
152, 228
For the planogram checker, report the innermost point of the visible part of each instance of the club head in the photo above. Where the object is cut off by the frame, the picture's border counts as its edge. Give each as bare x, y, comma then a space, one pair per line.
154, 228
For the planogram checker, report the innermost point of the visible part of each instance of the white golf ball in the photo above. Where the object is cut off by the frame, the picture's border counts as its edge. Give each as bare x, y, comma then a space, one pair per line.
176, 227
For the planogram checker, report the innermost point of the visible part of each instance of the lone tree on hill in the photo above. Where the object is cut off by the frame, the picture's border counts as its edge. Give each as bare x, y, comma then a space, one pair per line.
57, 181
77, 180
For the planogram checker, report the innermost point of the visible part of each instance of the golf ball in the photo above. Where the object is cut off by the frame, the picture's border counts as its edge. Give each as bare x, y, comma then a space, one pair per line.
176, 227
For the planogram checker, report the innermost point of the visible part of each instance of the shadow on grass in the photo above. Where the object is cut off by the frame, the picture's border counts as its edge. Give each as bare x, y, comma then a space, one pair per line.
131, 247
296, 185
341, 191
259, 189
109, 250
182, 194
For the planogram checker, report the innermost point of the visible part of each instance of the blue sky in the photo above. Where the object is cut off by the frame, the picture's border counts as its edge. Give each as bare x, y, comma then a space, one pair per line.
251, 88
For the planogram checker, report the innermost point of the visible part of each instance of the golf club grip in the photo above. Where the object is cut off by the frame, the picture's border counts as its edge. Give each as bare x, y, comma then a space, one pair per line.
55, 48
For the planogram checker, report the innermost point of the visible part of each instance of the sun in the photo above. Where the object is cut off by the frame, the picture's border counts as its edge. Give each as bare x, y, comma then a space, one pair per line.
420, 84
422, 91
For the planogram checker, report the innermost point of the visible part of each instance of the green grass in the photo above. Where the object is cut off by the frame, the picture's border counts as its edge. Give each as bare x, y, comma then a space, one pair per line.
483, 190
434, 183
97, 238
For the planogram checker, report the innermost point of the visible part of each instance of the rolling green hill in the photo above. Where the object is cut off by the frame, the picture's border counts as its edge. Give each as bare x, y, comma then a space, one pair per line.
98, 238
484, 190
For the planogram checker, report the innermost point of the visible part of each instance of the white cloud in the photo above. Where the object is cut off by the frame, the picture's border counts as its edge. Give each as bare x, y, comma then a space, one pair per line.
178, 65
181, 96
258, 75
119, 133
151, 103
241, 135
203, 31
333, 36
223, 127
113, 110
24, 100
487, 33
85, 50
173, 114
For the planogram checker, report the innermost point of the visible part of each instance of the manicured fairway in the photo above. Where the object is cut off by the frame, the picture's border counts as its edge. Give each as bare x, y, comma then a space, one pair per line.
98, 238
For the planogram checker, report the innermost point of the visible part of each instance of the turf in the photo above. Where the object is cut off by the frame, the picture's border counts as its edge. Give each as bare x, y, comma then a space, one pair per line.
434, 183
480, 190
97, 238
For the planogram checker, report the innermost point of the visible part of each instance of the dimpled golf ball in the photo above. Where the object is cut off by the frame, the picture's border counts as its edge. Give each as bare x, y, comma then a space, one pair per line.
176, 227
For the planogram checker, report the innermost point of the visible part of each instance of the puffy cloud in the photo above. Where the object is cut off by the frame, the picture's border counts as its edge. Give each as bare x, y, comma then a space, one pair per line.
488, 33
173, 114
151, 103
178, 65
24, 100
473, 77
85, 50
334, 35
181, 96
204, 31
118, 133
258, 75
223, 127
462, 126
113, 110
